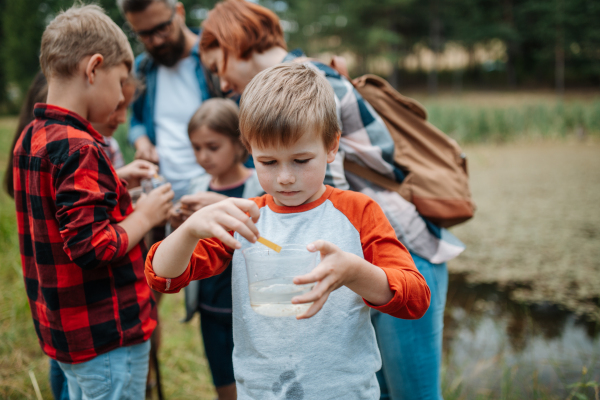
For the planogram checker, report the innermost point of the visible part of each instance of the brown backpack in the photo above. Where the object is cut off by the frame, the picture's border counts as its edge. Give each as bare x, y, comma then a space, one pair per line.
437, 182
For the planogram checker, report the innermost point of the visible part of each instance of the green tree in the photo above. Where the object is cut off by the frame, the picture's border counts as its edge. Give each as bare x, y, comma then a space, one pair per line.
3, 79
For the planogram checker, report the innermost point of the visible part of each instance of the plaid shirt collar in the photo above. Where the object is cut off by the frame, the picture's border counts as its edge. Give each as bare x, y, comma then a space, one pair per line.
62, 115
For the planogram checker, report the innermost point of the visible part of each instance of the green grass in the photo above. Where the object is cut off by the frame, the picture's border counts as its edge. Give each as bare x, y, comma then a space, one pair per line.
502, 117
19, 349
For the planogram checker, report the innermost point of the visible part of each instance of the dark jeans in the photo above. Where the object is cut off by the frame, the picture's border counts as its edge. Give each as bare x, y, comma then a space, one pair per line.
58, 381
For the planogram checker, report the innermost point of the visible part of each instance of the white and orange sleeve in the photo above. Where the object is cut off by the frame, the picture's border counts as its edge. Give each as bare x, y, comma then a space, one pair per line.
382, 249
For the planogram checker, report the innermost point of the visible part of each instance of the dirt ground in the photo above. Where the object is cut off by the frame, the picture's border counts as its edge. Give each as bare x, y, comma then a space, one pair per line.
537, 226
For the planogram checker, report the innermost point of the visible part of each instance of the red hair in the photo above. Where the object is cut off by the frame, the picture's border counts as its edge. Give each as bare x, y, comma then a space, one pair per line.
241, 28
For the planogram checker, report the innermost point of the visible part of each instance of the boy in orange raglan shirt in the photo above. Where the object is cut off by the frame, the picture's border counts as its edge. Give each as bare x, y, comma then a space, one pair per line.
288, 122
79, 235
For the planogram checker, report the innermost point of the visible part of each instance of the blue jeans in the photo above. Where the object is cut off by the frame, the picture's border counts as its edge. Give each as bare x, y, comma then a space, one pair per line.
118, 374
411, 350
58, 381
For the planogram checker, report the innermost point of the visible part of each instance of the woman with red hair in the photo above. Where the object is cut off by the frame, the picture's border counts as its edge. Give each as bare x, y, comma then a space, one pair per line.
239, 40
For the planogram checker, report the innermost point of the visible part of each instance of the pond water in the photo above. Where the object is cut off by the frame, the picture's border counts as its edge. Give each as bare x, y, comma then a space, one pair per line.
523, 309
495, 347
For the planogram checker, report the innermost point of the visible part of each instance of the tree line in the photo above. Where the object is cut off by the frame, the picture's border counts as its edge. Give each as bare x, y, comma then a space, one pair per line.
545, 43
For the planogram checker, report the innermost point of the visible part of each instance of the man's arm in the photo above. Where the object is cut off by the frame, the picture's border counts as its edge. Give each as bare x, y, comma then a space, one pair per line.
138, 137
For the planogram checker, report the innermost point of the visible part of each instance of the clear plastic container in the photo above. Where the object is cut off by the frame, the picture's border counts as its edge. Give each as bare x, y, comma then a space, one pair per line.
271, 275
149, 184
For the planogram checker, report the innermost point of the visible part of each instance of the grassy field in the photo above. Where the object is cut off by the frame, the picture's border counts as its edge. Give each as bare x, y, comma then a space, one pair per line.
501, 117
538, 207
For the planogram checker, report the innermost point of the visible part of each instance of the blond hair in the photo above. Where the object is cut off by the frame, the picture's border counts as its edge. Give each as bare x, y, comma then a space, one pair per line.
283, 102
79, 32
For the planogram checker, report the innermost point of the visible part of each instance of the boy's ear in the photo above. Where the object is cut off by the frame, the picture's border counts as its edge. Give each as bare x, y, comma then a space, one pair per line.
333, 149
91, 68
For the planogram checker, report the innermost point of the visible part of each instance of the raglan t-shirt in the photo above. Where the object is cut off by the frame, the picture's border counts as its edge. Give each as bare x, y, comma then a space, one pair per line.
334, 354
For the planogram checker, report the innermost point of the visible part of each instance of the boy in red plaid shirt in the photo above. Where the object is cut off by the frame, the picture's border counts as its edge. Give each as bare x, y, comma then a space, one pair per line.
83, 262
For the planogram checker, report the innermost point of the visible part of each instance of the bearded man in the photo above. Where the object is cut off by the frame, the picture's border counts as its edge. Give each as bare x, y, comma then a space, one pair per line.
175, 84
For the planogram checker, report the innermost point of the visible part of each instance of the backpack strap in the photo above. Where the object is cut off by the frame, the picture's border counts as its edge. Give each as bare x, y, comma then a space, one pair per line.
371, 176
339, 64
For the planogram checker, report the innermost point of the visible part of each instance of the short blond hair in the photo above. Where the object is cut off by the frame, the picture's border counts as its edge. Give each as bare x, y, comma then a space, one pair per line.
79, 32
283, 102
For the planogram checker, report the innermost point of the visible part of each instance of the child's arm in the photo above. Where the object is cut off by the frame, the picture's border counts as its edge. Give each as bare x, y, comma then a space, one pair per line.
86, 193
386, 278
339, 268
173, 255
150, 211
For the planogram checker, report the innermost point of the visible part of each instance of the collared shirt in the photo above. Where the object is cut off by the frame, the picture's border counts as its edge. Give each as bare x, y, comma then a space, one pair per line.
367, 141
87, 294
143, 108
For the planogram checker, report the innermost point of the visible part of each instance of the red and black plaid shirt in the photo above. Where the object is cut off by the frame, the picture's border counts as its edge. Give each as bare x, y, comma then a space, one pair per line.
87, 295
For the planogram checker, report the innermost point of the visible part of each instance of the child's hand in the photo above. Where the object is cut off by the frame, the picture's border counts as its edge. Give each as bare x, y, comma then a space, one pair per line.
137, 170
156, 204
145, 150
176, 218
196, 201
178, 214
218, 219
334, 270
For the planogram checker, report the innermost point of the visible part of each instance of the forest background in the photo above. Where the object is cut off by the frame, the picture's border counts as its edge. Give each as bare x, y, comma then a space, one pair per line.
516, 83
457, 44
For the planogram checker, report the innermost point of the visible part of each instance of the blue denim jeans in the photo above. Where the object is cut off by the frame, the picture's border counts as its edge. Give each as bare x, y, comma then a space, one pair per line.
58, 381
411, 350
117, 375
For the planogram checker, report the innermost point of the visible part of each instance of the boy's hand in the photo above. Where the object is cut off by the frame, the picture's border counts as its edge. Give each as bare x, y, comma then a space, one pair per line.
334, 270
137, 170
218, 219
156, 204
196, 201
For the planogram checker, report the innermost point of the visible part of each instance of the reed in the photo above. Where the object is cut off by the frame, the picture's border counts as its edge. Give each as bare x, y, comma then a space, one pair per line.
469, 123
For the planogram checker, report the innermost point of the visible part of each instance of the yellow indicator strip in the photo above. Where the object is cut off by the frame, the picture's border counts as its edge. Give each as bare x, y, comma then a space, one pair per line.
269, 244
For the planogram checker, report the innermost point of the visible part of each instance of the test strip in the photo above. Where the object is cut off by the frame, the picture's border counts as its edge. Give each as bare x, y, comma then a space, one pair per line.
269, 244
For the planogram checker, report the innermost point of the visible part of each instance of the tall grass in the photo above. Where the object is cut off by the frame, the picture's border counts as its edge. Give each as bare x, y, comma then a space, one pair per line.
470, 123
19, 349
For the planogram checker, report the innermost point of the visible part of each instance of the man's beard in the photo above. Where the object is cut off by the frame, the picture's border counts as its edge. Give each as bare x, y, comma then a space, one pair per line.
168, 53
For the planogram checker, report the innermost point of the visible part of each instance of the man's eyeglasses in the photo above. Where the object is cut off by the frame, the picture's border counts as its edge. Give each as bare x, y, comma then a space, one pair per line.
161, 30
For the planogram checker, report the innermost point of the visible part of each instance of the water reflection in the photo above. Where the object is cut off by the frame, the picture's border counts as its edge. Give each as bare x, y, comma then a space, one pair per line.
494, 347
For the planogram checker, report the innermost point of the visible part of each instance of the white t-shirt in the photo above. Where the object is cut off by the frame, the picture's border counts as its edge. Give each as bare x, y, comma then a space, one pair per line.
177, 98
